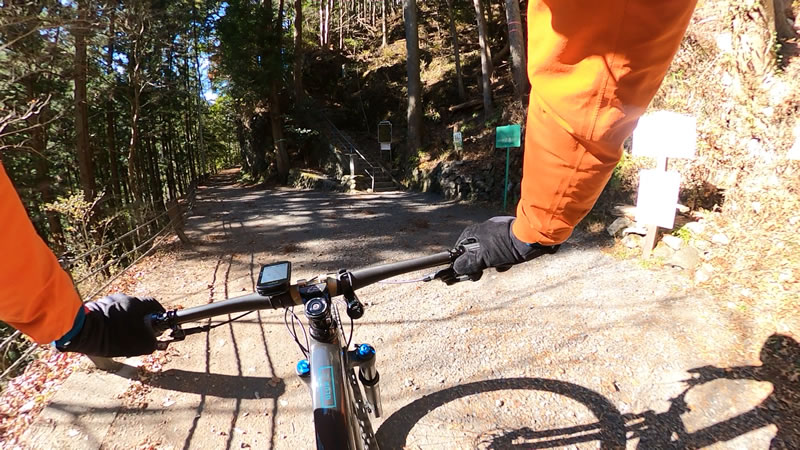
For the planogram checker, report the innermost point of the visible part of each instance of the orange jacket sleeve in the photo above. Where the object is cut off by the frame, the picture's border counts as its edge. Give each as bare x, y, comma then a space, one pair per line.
593, 66
36, 295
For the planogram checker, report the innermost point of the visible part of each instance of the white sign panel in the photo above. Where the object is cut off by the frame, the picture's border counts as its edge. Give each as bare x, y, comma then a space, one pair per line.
665, 134
658, 197
458, 141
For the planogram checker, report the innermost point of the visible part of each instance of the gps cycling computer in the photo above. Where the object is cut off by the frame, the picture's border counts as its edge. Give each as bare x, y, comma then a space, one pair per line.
274, 278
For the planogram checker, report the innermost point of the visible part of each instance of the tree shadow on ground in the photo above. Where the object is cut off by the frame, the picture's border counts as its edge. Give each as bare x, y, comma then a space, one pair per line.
780, 357
360, 229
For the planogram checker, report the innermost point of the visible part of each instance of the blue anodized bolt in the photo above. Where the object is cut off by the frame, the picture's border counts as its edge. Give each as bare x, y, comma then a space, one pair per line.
303, 369
365, 351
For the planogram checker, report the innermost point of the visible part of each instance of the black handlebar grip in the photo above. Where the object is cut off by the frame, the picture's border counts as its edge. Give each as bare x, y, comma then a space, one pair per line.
157, 323
471, 246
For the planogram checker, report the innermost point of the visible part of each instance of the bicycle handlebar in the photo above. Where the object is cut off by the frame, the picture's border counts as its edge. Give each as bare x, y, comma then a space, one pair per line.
337, 284
364, 277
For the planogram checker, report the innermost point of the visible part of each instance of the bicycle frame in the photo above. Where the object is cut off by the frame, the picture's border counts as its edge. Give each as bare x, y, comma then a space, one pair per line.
336, 396
328, 395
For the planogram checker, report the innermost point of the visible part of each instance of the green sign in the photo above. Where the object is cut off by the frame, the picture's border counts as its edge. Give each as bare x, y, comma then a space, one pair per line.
507, 136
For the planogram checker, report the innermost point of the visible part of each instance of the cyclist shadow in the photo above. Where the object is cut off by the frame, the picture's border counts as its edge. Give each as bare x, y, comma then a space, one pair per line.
780, 358
780, 366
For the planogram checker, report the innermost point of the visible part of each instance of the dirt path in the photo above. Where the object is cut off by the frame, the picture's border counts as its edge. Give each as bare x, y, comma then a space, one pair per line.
577, 350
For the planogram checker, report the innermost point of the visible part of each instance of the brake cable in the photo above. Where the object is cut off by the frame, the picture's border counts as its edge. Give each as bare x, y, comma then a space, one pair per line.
426, 278
179, 334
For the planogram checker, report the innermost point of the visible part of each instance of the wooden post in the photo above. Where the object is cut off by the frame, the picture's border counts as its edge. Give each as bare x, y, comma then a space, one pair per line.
176, 220
652, 230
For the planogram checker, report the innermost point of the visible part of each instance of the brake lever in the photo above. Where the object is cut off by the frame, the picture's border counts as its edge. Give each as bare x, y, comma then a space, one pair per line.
450, 277
178, 334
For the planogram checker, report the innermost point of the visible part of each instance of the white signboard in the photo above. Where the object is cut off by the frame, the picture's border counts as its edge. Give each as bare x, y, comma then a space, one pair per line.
458, 142
658, 197
665, 134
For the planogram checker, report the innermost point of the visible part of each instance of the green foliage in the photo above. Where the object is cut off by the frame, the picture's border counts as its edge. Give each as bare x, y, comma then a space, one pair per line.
432, 114
494, 119
248, 53
82, 229
620, 171
683, 233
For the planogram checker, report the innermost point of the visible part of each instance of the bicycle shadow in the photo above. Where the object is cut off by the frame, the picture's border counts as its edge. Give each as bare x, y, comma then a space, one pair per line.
780, 358
609, 429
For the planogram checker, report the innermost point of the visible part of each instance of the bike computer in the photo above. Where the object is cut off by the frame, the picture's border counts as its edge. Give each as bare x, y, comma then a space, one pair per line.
274, 278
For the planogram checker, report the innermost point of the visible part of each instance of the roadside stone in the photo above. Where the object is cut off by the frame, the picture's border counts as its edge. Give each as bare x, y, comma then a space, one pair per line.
663, 251
673, 242
700, 244
696, 228
635, 229
632, 241
685, 258
618, 225
628, 211
703, 274
720, 239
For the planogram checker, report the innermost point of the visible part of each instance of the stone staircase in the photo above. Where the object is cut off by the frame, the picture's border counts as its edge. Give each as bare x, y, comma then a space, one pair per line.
370, 175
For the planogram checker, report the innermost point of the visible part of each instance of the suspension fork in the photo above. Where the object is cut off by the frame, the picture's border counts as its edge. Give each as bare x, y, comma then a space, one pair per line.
363, 357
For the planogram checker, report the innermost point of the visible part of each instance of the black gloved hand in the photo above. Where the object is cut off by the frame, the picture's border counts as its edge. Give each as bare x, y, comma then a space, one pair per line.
498, 247
114, 326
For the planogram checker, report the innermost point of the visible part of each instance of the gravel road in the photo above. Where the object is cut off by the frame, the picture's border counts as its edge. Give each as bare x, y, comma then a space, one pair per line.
575, 350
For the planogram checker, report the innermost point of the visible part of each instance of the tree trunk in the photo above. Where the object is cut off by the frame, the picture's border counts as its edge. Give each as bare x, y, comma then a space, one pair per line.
383, 23
111, 134
199, 100
85, 166
276, 121
489, 18
279, 22
517, 46
155, 175
414, 111
166, 146
187, 125
322, 23
462, 95
327, 21
486, 59
299, 95
341, 26
38, 143
784, 27
133, 145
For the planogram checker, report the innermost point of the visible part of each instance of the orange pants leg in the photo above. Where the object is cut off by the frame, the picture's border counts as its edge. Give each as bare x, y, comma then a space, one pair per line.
593, 66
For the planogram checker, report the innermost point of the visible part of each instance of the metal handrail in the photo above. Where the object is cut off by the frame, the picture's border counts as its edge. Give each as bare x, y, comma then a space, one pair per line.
353, 150
349, 144
373, 179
